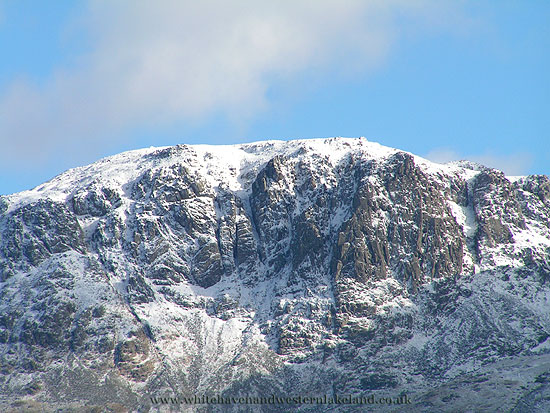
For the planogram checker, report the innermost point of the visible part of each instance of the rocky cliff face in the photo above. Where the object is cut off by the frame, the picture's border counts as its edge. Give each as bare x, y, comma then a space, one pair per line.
317, 267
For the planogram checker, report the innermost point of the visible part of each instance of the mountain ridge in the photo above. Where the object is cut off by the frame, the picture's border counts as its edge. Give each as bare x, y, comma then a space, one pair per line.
323, 266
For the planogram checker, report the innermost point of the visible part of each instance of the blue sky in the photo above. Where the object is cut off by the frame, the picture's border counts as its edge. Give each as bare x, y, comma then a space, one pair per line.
80, 80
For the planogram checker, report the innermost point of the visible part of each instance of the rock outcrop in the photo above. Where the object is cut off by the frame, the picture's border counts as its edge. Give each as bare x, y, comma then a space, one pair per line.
317, 267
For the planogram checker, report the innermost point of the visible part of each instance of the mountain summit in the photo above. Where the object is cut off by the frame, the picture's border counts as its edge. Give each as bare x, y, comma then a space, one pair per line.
299, 269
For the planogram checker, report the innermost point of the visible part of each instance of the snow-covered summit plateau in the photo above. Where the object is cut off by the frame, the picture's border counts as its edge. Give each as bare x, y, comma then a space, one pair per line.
309, 267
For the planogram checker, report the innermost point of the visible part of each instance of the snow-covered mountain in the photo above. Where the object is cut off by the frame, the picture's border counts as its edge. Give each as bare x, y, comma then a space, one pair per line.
302, 268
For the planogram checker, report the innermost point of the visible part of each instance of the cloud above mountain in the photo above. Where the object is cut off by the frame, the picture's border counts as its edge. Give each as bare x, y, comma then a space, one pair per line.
511, 164
154, 63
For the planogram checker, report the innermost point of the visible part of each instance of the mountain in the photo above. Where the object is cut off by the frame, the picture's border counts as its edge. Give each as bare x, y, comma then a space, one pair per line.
311, 268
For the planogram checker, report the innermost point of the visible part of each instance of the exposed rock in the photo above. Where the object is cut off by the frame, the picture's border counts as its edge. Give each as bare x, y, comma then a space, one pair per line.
308, 267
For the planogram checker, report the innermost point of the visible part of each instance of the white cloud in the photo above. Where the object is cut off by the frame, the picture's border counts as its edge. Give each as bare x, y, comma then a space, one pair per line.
442, 155
510, 164
172, 60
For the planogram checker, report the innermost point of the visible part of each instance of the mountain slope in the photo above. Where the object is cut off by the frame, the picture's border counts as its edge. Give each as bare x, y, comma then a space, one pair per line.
333, 266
